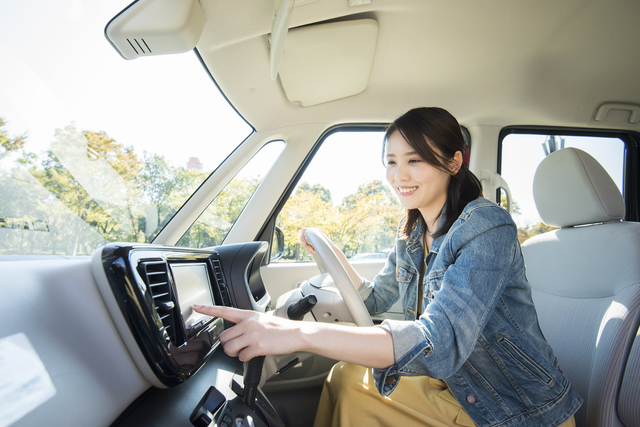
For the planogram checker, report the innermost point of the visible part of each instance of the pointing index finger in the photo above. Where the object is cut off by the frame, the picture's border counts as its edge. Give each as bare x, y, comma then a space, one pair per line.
233, 315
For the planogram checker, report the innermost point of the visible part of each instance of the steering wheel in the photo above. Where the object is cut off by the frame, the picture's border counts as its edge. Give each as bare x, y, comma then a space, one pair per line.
328, 261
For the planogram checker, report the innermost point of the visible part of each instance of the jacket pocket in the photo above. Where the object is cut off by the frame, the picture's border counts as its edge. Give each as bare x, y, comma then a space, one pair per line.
526, 362
404, 272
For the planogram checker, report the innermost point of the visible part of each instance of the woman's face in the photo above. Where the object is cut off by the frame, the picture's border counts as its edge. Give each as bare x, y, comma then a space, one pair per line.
418, 184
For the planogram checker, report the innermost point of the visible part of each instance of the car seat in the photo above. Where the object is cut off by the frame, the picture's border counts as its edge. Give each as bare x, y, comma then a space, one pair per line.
585, 279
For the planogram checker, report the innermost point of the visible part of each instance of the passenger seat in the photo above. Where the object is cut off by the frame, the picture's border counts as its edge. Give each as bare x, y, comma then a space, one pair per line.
586, 285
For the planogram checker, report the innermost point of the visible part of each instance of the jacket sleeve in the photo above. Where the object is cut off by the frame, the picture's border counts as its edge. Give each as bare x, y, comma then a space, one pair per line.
480, 252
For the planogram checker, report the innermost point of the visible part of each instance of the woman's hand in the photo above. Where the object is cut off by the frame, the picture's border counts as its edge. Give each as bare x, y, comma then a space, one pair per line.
254, 334
303, 241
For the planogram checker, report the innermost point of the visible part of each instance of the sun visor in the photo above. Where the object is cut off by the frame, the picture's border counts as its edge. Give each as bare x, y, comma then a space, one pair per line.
324, 62
156, 27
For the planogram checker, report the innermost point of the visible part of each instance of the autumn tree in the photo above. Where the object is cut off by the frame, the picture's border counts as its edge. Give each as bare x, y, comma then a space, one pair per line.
365, 221
529, 231
308, 207
322, 192
368, 219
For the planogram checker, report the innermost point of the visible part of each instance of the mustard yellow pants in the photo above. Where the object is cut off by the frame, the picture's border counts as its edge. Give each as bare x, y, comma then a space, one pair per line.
350, 399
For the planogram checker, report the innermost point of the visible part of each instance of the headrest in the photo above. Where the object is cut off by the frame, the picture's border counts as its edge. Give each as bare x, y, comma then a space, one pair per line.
571, 188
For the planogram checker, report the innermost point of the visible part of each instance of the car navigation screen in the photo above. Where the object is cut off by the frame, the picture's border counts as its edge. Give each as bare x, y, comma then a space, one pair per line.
193, 287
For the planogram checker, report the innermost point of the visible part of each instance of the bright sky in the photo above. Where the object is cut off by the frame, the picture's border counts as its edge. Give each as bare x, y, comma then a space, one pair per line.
61, 69
345, 161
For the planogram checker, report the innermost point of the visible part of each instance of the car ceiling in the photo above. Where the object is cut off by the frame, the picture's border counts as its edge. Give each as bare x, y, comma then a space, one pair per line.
491, 62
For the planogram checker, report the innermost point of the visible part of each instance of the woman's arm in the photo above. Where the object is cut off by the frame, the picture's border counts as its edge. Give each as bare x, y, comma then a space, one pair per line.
259, 334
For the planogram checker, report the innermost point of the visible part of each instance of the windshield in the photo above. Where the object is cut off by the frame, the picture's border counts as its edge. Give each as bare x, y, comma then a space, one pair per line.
94, 148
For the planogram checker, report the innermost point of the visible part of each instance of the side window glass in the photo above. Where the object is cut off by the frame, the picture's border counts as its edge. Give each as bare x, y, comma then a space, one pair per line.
344, 193
521, 155
211, 228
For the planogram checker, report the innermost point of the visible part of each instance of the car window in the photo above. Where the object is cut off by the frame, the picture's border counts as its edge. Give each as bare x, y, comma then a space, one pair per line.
94, 148
344, 193
522, 153
211, 228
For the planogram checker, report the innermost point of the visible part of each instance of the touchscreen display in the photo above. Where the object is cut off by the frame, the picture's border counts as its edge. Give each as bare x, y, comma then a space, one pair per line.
193, 287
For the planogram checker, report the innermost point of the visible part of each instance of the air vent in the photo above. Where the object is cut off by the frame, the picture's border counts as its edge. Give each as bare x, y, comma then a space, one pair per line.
157, 278
222, 286
140, 46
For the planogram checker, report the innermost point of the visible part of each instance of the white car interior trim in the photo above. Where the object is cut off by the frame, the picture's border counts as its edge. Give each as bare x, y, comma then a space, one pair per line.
156, 27
279, 30
544, 54
325, 62
491, 183
299, 141
200, 200
603, 110
56, 303
484, 146
119, 321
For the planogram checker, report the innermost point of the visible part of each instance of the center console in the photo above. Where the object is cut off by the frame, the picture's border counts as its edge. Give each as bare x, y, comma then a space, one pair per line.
150, 291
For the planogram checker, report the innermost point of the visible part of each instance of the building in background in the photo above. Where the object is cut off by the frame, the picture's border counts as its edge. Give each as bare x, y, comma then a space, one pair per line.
194, 164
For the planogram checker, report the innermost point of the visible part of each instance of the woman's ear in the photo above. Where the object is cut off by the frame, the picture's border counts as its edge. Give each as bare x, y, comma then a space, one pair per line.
456, 162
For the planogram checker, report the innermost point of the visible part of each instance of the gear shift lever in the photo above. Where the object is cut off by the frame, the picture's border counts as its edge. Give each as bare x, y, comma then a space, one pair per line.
251, 379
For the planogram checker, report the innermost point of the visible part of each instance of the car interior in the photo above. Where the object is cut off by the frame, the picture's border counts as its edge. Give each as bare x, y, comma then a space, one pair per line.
104, 247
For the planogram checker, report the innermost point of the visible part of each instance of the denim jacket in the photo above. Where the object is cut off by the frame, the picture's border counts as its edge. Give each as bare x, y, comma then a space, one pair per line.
479, 329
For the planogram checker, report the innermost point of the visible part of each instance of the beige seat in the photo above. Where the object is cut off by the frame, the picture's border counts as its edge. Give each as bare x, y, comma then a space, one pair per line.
629, 400
586, 285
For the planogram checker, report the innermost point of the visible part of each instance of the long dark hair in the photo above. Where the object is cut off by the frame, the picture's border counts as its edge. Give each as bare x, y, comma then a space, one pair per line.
425, 129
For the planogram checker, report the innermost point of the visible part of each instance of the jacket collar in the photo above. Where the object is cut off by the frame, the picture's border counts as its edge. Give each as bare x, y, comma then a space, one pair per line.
415, 246
416, 235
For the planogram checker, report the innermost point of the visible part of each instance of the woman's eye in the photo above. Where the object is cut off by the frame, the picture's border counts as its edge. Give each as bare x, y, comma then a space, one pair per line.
414, 161
390, 163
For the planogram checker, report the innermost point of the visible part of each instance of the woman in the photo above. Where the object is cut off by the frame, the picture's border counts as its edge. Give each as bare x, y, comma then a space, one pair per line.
469, 317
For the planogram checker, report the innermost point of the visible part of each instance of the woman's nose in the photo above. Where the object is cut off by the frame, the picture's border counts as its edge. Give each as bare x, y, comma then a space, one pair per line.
401, 173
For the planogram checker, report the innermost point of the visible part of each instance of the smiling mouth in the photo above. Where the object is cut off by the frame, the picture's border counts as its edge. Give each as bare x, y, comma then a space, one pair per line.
406, 190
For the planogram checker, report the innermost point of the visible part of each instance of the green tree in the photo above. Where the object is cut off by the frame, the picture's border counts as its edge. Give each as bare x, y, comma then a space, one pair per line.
164, 188
9, 145
95, 178
515, 207
215, 222
89, 189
